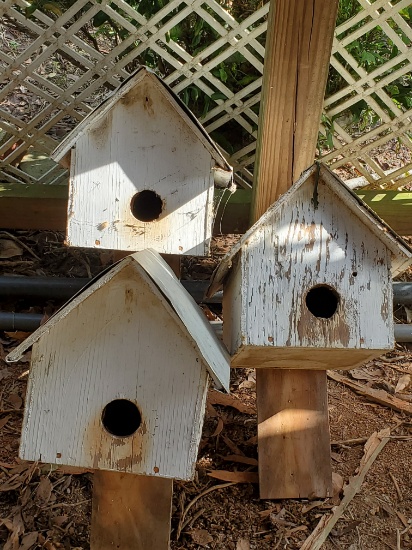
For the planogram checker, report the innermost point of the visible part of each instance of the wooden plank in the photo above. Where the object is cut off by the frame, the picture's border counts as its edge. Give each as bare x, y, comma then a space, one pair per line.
395, 207
291, 420
130, 512
39, 206
298, 49
34, 206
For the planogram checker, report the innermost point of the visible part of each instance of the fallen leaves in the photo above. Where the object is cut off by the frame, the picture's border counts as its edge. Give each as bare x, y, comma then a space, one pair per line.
403, 383
9, 249
235, 477
201, 537
373, 447
218, 398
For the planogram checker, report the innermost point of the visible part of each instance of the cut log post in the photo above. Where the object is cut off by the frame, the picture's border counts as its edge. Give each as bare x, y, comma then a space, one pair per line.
293, 426
130, 512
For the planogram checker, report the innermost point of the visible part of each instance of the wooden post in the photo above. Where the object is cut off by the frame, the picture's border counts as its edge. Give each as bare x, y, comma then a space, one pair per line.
293, 426
130, 512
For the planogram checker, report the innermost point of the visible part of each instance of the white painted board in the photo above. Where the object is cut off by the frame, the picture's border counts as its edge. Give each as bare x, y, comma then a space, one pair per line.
121, 342
141, 143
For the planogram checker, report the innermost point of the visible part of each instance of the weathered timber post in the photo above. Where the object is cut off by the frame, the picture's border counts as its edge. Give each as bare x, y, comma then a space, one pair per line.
298, 48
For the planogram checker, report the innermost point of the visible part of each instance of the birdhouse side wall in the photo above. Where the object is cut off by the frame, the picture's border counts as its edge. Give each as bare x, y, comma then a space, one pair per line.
314, 242
232, 309
141, 144
121, 343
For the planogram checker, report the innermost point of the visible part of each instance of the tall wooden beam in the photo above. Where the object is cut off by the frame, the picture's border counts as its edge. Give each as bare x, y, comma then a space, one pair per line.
293, 428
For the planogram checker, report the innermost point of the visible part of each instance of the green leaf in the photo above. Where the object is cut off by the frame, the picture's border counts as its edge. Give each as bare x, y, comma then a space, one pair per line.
53, 7
194, 92
368, 58
218, 95
185, 97
30, 9
247, 79
222, 74
100, 18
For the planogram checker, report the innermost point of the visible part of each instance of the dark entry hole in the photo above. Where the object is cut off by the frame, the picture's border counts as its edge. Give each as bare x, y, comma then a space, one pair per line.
322, 301
146, 206
121, 417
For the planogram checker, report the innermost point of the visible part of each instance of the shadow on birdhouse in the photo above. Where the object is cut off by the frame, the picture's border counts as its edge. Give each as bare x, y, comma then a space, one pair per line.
142, 173
119, 376
309, 286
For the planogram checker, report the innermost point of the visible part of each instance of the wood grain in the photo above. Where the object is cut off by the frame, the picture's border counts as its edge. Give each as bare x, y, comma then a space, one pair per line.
130, 512
141, 143
298, 49
293, 453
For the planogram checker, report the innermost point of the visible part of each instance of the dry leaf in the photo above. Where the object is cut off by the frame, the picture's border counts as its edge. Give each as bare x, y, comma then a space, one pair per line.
243, 544
235, 477
337, 484
241, 459
201, 537
17, 529
360, 374
44, 489
28, 541
403, 383
4, 420
232, 446
9, 249
219, 428
15, 400
218, 398
59, 520
11, 484
17, 335
307, 508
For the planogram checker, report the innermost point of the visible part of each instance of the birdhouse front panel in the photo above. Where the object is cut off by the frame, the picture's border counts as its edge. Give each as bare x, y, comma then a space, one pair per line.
311, 287
141, 178
116, 384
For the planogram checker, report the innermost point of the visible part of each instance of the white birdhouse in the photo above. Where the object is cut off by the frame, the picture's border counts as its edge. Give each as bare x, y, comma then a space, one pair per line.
142, 173
309, 286
119, 376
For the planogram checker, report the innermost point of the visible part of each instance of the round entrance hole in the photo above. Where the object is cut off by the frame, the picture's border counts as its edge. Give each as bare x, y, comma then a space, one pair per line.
146, 206
322, 301
121, 418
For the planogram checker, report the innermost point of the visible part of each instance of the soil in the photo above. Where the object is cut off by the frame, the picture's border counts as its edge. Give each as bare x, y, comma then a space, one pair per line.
45, 507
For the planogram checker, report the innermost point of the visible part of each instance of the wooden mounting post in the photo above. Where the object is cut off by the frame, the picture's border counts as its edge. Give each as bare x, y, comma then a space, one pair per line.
293, 426
130, 512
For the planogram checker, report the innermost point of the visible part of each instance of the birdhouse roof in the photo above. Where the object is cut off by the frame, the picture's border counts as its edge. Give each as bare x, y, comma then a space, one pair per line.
164, 283
400, 251
143, 73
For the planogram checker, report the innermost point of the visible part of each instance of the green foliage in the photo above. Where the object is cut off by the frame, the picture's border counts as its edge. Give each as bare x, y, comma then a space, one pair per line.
194, 34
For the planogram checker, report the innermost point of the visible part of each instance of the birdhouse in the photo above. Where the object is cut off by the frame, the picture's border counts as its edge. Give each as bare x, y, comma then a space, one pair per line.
119, 376
142, 173
309, 286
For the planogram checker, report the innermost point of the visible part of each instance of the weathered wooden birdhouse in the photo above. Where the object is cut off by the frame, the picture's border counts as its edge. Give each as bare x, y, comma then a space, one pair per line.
119, 375
309, 286
142, 173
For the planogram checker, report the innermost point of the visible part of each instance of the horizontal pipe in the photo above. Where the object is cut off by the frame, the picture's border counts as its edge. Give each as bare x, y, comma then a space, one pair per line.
402, 294
61, 288
29, 322
64, 288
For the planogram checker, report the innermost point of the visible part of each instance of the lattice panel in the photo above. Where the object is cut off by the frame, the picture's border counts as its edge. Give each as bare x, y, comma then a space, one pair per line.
64, 68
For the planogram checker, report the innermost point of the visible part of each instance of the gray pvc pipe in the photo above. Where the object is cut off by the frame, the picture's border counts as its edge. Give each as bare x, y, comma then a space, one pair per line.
29, 322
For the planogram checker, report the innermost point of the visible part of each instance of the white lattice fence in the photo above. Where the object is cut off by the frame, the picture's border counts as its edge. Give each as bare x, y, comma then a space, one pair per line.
52, 79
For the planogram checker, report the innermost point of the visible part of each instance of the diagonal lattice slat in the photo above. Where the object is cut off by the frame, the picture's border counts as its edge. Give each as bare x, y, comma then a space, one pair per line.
63, 67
